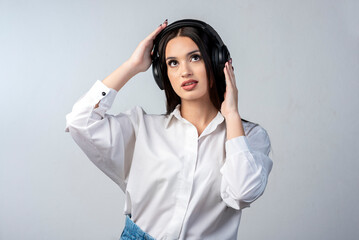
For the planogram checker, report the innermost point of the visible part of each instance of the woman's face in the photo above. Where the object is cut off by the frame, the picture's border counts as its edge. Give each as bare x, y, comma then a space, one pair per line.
186, 69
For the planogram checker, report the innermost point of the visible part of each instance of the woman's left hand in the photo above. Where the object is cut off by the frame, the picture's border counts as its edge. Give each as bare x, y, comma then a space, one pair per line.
229, 106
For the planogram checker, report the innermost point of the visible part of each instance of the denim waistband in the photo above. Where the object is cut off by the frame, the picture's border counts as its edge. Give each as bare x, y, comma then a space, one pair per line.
134, 232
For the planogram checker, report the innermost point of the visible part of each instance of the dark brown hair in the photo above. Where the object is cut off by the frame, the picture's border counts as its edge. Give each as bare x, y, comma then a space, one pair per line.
205, 46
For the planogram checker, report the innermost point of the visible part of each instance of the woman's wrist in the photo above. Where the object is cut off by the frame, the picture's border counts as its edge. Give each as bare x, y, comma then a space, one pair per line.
234, 125
232, 116
130, 68
118, 78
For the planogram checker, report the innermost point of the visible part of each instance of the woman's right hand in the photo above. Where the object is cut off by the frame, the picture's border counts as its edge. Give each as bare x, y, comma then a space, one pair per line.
140, 61
141, 58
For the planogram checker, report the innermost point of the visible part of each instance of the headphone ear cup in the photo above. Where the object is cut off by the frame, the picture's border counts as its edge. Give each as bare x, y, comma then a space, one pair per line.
222, 55
215, 60
157, 74
225, 54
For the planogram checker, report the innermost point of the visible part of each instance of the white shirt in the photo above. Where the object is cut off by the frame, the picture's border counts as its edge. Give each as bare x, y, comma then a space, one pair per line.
177, 185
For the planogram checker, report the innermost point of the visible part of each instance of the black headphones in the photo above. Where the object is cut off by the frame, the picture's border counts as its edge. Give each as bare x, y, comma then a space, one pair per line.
220, 53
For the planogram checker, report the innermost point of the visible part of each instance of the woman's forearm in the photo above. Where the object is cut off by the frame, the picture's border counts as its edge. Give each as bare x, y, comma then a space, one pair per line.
234, 126
139, 61
118, 78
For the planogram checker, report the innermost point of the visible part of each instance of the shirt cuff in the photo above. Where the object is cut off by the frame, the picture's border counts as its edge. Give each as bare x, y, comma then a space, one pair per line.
237, 145
85, 106
100, 92
106, 96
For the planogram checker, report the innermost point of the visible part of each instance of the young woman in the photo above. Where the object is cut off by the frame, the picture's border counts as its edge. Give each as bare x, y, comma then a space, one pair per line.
186, 174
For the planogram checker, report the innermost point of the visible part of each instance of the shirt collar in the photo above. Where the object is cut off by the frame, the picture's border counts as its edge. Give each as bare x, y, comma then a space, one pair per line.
177, 114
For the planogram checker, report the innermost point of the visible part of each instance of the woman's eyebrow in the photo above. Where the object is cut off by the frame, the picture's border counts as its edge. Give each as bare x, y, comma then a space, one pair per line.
187, 54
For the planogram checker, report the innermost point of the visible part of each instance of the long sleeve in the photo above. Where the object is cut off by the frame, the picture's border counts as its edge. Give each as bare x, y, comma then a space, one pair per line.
107, 140
246, 169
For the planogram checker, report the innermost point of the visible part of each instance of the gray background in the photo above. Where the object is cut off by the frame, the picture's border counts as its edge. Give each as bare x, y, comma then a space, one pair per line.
297, 68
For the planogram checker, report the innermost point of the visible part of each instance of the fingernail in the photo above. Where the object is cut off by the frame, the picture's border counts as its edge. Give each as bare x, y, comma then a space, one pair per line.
230, 60
166, 20
160, 25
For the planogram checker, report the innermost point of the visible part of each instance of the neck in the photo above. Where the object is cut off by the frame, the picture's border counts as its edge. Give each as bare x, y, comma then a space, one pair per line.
199, 113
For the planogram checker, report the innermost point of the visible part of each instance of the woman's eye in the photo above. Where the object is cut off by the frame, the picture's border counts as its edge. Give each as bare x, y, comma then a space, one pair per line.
196, 57
172, 63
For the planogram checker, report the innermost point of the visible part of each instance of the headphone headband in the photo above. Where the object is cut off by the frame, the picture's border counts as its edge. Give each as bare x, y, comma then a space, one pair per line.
190, 23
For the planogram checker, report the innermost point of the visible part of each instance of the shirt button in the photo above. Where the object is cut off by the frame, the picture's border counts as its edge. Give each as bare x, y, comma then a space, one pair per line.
103, 93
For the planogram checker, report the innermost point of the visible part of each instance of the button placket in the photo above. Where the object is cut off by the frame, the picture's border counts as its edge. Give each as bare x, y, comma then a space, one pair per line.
185, 180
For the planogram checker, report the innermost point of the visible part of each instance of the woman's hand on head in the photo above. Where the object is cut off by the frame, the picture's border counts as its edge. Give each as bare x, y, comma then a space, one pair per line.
141, 58
229, 106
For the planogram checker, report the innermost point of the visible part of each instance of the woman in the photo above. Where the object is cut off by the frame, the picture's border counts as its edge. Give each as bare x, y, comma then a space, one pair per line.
189, 173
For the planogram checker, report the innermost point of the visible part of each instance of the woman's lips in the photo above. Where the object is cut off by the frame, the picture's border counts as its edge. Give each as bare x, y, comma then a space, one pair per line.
189, 85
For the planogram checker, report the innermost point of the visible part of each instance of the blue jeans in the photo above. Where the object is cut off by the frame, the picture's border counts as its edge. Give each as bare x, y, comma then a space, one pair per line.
134, 232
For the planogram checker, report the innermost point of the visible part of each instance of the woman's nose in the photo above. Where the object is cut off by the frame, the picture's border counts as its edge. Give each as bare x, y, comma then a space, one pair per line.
186, 70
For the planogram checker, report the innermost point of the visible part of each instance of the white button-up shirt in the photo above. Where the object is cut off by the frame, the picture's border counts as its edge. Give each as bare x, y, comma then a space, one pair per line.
178, 185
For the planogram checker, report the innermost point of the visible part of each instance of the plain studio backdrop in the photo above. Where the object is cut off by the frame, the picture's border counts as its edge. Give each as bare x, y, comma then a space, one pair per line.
297, 69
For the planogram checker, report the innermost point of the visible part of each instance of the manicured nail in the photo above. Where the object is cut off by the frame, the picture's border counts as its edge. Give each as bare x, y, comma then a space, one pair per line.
230, 60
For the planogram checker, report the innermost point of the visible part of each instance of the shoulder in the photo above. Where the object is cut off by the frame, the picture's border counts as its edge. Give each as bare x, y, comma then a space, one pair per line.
257, 136
139, 114
251, 128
